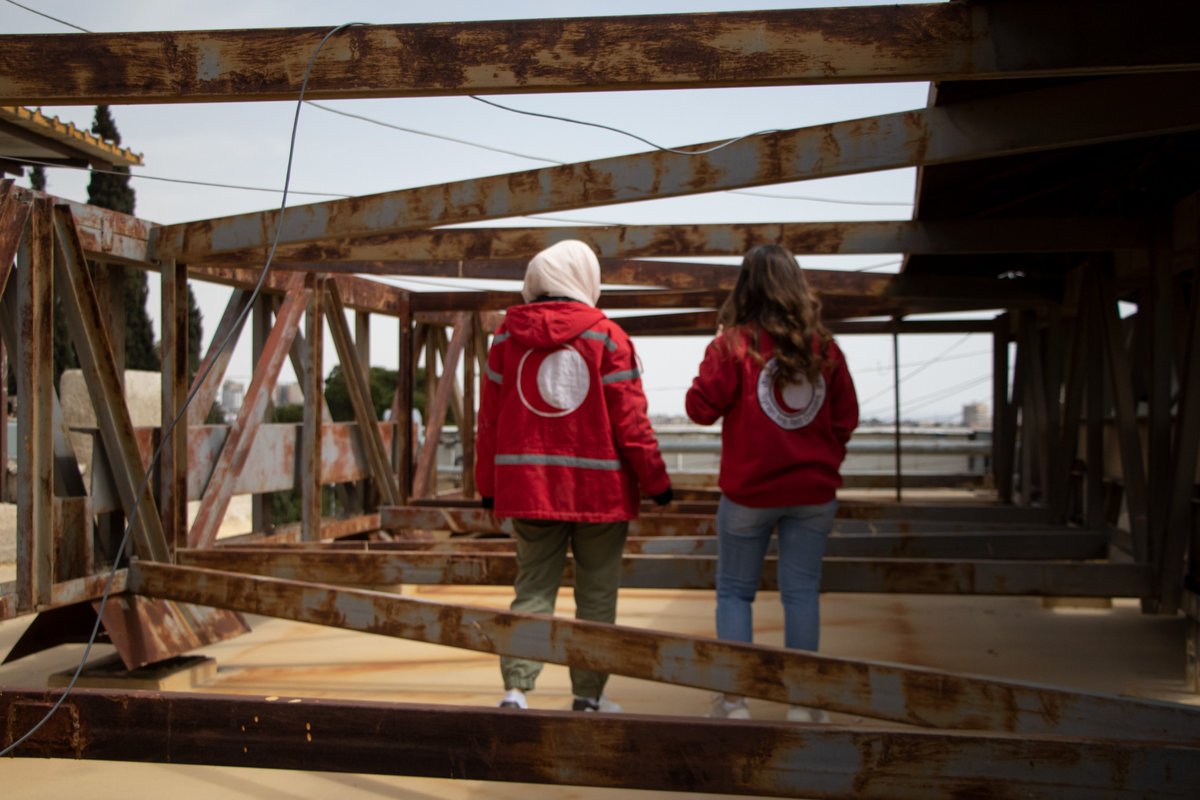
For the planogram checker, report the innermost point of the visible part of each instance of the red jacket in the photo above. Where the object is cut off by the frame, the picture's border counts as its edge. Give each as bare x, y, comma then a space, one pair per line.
563, 432
780, 446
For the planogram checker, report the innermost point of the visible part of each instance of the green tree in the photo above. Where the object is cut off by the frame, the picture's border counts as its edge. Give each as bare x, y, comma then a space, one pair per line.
111, 190
37, 179
383, 389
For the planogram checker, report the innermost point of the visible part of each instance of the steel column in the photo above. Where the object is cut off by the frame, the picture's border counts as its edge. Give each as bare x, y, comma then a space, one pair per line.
35, 424
314, 403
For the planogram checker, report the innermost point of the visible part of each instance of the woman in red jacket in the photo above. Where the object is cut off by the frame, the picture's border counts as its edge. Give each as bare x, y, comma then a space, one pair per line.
563, 444
781, 383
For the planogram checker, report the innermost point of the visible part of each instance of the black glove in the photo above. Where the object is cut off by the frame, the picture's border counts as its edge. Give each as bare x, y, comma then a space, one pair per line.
488, 502
664, 498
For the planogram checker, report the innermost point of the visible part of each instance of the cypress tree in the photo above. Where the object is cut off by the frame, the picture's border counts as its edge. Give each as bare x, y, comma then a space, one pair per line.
115, 193
112, 191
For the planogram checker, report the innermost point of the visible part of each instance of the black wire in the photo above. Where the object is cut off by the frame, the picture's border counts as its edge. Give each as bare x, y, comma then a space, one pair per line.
705, 151
187, 402
47, 16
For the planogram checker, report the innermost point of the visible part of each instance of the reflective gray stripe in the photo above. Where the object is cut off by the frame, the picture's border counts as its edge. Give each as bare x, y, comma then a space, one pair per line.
499, 337
627, 375
542, 459
494, 376
609, 344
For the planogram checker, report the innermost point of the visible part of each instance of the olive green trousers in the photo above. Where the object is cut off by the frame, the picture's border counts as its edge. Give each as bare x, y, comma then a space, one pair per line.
541, 557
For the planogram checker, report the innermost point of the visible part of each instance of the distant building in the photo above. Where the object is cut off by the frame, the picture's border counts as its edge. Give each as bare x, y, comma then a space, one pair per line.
975, 415
233, 394
288, 394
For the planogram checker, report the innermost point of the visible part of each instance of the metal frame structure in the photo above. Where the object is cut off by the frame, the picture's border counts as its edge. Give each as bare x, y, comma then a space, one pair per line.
1057, 179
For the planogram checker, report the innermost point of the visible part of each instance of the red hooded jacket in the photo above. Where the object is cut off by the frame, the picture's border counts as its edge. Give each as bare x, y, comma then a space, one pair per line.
563, 432
780, 445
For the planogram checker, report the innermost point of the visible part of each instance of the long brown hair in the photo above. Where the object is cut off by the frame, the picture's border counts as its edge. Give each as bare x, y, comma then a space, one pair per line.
773, 296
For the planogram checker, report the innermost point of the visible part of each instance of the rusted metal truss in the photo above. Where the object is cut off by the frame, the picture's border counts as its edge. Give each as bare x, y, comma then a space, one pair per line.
1128, 66
839, 574
673, 753
1040, 119
955, 41
912, 695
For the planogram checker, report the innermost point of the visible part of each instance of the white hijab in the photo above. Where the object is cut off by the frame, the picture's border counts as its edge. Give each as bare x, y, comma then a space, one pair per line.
566, 269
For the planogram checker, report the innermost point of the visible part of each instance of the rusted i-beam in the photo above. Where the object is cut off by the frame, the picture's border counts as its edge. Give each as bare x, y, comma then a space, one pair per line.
672, 753
241, 435
1070, 115
912, 695
1035, 544
821, 45
85, 322
874, 575
1065, 234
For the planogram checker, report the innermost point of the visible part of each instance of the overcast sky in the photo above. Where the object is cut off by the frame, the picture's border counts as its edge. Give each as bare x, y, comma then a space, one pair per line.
246, 144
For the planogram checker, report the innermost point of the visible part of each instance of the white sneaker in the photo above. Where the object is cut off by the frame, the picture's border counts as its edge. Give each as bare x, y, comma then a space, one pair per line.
722, 709
601, 704
802, 714
514, 698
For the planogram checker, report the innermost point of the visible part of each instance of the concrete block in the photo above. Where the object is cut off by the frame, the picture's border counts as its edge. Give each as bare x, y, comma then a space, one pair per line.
143, 397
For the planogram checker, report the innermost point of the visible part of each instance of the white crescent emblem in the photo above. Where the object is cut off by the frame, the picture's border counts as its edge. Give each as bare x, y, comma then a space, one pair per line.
791, 405
553, 383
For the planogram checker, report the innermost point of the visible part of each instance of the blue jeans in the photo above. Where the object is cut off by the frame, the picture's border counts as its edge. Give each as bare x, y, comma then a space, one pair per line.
743, 535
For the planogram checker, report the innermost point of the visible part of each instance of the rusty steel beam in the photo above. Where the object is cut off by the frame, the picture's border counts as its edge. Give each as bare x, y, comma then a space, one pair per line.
356, 375
309, 472
212, 367
425, 481
35, 423
486, 245
268, 466
804, 46
1041, 119
173, 459
14, 213
872, 575
478, 520
332, 529
1037, 544
358, 294
912, 695
111, 236
85, 322
468, 517
149, 630
241, 436
552, 747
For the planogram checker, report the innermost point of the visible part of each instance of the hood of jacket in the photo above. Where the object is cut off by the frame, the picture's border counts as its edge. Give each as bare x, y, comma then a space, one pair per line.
550, 323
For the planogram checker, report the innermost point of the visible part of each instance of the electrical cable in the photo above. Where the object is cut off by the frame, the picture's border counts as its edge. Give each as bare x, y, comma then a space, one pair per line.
501, 150
47, 16
443, 137
940, 394
545, 159
184, 181
199, 382
880, 265
917, 371
642, 139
